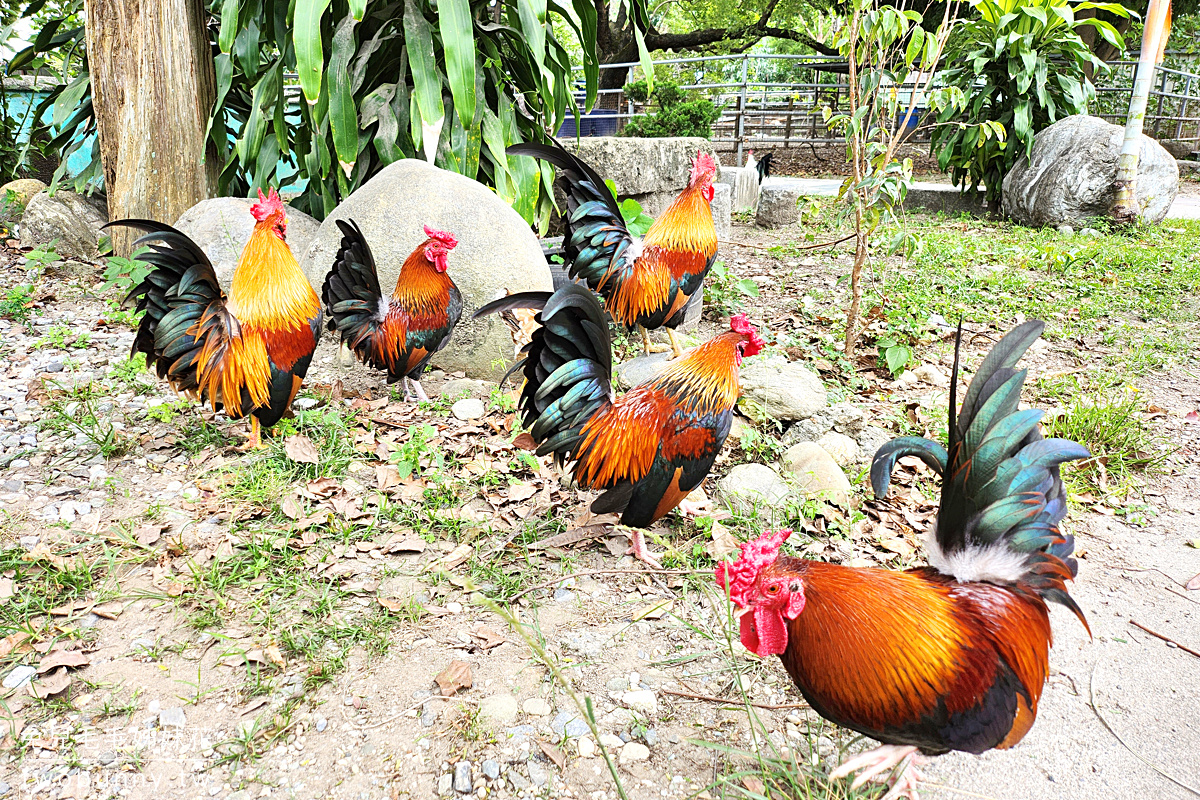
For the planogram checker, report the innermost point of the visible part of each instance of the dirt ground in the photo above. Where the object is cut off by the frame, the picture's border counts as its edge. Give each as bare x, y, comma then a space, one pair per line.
192, 670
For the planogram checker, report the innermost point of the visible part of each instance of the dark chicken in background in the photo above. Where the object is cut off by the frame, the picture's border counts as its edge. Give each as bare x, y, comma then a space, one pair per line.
245, 353
399, 334
647, 449
952, 656
644, 282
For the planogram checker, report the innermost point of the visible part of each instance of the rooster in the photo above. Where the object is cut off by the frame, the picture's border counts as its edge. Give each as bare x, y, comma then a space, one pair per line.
645, 282
948, 657
649, 448
402, 333
245, 353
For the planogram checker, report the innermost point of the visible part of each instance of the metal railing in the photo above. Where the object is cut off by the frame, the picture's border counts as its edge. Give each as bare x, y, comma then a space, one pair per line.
780, 99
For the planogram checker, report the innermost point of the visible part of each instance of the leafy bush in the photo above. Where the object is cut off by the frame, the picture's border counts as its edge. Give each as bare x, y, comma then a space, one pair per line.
637, 91
676, 115
724, 292
1020, 66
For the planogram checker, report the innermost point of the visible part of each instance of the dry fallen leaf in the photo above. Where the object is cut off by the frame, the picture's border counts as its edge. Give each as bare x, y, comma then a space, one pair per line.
14, 642
51, 684
723, 544
62, 658
411, 544
525, 441
174, 588
518, 492
386, 477
108, 610
6, 589
291, 507
1194, 584
553, 754
753, 785
654, 610
488, 636
273, 654
393, 604
454, 678
299, 448
147, 535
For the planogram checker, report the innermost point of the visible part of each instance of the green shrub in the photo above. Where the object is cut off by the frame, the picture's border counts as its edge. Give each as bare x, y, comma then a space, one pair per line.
676, 115
1020, 66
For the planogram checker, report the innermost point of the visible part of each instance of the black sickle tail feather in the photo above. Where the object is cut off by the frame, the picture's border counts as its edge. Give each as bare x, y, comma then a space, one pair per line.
181, 291
597, 238
1000, 477
351, 292
567, 365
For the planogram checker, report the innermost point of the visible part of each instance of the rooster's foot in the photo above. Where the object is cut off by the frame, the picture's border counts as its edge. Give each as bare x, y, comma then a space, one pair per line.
637, 547
676, 350
254, 440
875, 764
421, 396
695, 508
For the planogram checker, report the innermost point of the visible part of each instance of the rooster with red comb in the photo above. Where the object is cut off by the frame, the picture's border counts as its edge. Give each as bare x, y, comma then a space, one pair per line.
644, 282
646, 450
399, 334
947, 657
245, 353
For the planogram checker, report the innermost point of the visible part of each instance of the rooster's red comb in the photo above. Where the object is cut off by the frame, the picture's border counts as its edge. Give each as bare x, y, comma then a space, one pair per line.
703, 166
448, 241
738, 577
267, 205
740, 323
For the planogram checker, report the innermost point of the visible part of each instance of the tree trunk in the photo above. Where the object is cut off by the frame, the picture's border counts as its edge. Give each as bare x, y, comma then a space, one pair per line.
1158, 21
153, 87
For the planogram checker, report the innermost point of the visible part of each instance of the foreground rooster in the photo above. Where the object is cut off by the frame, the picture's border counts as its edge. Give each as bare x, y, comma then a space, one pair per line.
400, 334
245, 353
948, 657
645, 282
648, 448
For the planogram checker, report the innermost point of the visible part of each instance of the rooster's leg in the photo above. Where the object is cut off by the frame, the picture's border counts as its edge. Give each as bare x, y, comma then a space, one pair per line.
651, 348
424, 398
637, 546
883, 758
254, 441
409, 397
676, 350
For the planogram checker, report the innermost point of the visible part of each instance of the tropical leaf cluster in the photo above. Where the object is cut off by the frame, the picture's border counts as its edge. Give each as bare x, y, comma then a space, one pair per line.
1021, 66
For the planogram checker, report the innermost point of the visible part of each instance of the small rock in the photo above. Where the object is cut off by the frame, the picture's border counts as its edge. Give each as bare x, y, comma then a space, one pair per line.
650, 737
841, 447
518, 782
469, 408
780, 389
499, 709
305, 403
642, 700
429, 716
618, 684
538, 775
458, 388
563, 595
673, 738
445, 784
1066, 231
634, 751
817, 473
585, 747
931, 374
637, 371
322, 724
777, 206
172, 718
54, 366
871, 439
748, 486
536, 707
105, 758
19, 676
4, 789
490, 769
611, 742
462, 777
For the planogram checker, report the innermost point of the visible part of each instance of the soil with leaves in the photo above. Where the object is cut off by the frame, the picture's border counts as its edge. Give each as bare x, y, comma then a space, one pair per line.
396, 600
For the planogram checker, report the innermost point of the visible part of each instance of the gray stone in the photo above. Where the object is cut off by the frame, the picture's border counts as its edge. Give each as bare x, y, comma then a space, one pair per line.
496, 250
783, 390
462, 777
847, 418
871, 439
840, 447
538, 775
20, 675
105, 758
445, 784
499, 709
750, 486
4, 788
650, 737
778, 205
634, 751
221, 226
172, 718
518, 782
458, 388
563, 595
728, 176
642, 700
490, 769
468, 408
817, 474
722, 210
71, 219
1178, 149
1188, 168
637, 371
617, 684
537, 707
1069, 175
23, 190
651, 171
322, 724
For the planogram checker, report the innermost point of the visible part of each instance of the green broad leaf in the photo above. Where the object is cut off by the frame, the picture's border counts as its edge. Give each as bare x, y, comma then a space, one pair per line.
458, 43
588, 22
343, 115
229, 25
916, 46
310, 56
265, 91
532, 14
897, 357
69, 99
358, 9
1035, 13
427, 81
747, 287
644, 57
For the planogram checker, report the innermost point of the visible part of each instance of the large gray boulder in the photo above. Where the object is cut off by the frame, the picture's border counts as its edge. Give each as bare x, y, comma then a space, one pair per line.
748, 487
69, 220
1068, 178
817, 473
722, 210
221, 226
780, 389
496, 250
651, 171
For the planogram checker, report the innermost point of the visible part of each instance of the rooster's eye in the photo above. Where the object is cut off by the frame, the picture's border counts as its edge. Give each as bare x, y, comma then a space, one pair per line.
773, 589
